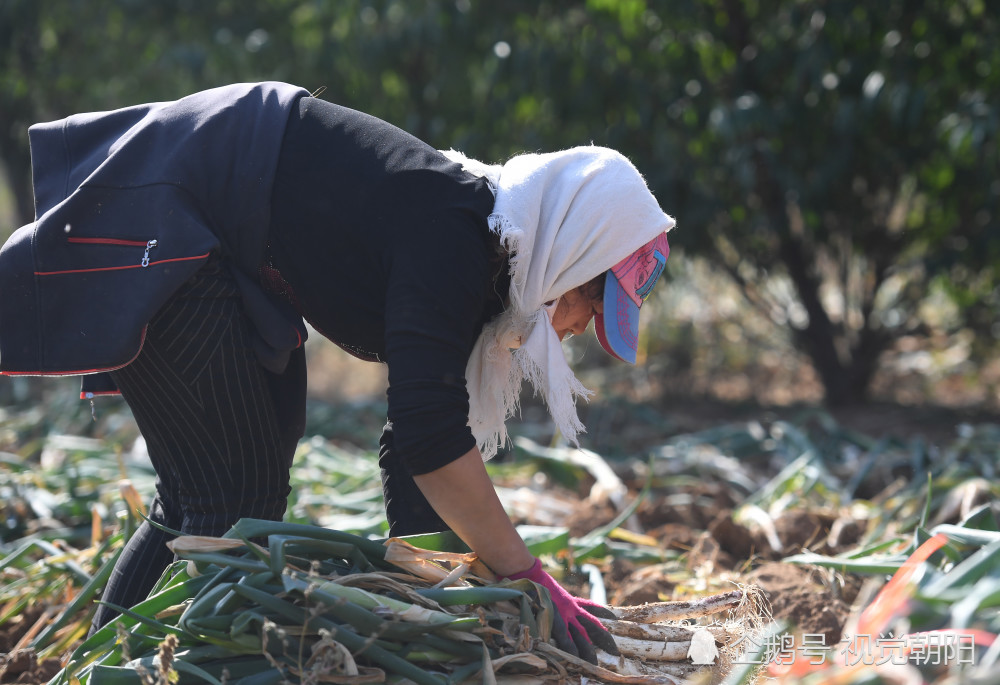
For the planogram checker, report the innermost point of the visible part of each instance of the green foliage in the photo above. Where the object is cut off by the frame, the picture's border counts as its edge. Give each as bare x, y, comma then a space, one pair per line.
53, 566
837, 160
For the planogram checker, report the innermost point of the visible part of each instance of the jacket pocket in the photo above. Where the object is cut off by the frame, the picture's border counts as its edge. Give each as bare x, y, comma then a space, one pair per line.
147, 245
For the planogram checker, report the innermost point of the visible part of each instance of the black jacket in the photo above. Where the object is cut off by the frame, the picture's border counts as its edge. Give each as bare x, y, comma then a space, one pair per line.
383, 241
128, 206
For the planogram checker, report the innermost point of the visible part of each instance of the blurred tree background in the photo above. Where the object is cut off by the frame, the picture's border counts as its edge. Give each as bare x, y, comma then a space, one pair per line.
833, 165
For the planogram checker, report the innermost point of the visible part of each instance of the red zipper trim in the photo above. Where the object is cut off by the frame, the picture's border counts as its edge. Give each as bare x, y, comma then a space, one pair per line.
117, 268
108, 241
142, 342
103, 393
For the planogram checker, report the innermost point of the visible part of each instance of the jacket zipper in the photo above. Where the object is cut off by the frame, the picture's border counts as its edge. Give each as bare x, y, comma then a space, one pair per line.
145, 255
148, 244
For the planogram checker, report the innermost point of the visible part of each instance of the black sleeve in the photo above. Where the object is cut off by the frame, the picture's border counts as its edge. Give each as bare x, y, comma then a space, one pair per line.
406, 508
437, 289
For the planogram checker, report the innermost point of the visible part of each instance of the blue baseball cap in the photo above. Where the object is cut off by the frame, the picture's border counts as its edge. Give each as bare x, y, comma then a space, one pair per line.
626, 286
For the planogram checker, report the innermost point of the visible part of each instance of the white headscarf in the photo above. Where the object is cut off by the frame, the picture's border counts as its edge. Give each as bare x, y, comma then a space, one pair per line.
564, 218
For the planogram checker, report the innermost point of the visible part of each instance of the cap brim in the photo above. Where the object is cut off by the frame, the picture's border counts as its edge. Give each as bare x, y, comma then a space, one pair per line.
618, 327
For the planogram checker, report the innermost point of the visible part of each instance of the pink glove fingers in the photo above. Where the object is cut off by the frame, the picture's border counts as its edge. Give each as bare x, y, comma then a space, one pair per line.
583, 629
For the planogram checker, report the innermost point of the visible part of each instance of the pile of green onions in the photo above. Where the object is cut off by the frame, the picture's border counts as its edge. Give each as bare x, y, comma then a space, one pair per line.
318, 605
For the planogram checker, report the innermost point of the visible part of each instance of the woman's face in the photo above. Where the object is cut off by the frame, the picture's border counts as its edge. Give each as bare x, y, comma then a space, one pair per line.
574, 311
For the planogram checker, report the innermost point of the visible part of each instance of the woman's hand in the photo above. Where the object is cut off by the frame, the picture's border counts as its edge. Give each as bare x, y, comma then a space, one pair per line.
463, 496
575, 629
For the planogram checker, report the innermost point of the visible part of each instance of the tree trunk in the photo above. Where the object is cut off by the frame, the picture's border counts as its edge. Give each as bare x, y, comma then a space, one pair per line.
845, 381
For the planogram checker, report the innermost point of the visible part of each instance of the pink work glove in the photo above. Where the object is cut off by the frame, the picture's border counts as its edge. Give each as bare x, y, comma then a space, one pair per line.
575, 629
